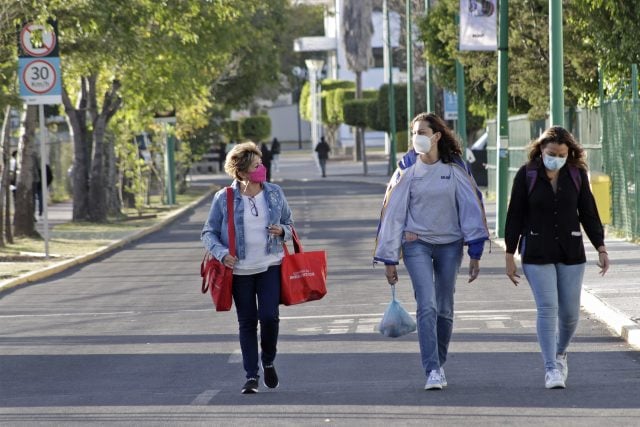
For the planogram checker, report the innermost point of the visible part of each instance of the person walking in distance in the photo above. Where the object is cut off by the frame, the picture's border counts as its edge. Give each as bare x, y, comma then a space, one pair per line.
266, 158
323, 149
275, 154
432, 208
262, 219
550, 200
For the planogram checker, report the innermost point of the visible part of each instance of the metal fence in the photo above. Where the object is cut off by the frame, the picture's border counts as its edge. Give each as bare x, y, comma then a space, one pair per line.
611, 141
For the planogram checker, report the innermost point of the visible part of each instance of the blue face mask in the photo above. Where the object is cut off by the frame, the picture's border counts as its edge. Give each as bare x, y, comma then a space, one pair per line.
553, 163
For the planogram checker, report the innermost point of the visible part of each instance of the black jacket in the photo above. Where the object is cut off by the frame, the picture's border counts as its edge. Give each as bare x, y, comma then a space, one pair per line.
546, 225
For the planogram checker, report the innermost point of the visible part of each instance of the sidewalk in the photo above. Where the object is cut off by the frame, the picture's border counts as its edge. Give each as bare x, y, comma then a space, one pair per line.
614, 298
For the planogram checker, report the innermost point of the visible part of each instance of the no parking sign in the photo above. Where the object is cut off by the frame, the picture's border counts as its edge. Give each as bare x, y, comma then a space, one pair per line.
39, 64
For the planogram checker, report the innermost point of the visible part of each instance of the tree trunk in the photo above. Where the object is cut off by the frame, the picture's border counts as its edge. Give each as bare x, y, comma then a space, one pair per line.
363, 150
357, 152
97, 189
81, 147
5, 192
25, 208
114, 203
98, 192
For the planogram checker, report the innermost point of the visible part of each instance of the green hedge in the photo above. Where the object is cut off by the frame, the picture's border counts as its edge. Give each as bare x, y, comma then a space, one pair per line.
304, 105
231, 130
357, 111
256, 128
402, 142
400, 97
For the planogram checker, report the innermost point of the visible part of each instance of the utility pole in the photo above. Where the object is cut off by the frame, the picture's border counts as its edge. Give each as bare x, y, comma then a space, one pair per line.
462, 108
502, 143
556, 74
431, 100
409, 63
391, 97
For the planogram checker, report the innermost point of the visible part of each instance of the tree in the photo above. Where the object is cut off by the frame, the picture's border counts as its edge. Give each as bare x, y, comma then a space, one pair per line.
24, 224
155, 56
357, 30
12, 14
528, 55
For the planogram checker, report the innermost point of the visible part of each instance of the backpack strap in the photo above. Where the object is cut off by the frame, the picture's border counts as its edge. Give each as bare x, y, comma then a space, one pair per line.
575, 177
532, 177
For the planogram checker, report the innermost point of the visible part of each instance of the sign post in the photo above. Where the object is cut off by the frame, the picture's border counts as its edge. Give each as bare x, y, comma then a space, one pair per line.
39, 75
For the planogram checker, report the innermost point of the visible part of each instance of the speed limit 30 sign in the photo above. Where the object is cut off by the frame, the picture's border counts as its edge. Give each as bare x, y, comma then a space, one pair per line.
39, 76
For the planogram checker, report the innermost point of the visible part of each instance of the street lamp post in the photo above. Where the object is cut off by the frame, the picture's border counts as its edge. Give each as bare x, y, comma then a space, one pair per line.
314, 66
299, 74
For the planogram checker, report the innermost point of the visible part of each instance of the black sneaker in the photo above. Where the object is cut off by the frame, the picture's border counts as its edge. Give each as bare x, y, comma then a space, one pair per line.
251, 386
270, 376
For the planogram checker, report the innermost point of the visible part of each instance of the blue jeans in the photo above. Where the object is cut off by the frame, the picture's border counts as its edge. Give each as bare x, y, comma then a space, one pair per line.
556, 289
433, 270
266, 288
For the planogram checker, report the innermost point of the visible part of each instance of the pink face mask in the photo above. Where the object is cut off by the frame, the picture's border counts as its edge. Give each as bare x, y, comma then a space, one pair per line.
259, 175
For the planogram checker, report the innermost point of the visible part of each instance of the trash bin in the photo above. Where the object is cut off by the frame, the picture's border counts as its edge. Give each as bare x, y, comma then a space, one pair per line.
601, 189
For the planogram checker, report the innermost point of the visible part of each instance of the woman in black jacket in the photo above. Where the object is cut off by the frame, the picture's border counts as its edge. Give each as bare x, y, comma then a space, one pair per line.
550, 200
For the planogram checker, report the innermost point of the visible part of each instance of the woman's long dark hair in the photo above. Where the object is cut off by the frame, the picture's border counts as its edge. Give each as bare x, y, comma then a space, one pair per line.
558, 135
448, 145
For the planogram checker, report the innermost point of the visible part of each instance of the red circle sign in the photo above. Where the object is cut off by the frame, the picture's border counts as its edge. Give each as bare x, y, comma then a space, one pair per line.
37, 40
39, 76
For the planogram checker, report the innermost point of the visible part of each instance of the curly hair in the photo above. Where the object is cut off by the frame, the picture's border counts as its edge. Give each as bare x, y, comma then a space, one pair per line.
448, 144
558, 135
240, 159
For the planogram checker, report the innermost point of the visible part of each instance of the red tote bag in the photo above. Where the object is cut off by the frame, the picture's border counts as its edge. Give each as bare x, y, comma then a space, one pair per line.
303, 275
216, 277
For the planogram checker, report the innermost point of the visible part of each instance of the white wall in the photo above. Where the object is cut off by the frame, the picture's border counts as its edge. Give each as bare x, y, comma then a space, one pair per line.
284, 124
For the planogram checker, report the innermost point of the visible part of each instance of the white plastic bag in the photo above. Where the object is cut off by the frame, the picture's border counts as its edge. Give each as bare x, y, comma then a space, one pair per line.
396, 321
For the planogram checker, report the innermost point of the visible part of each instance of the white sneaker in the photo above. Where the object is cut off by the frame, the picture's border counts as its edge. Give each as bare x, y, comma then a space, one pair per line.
434, 382
553, 379
443, 379
563, 365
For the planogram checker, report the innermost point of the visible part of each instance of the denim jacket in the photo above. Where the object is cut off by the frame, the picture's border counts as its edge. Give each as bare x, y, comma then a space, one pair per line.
215, 236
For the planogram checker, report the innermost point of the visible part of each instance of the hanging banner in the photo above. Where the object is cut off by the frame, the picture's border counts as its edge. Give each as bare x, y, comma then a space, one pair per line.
478, 23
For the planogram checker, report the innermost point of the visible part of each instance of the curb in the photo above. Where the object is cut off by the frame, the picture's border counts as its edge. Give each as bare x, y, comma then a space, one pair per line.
622, 325
82, 259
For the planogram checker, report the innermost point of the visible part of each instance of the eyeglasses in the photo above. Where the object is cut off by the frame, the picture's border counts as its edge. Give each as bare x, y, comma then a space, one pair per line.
254, 208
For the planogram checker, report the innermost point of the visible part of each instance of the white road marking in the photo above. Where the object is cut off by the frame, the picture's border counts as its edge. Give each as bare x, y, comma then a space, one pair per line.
147, 312
339, 321
495, 324
235, 357
366, 329
205, 397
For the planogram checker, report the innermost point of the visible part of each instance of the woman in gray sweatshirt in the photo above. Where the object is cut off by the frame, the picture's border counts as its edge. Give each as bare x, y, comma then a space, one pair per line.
432, 208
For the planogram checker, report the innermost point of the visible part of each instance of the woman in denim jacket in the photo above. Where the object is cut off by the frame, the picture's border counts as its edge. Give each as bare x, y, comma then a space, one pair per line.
262, 220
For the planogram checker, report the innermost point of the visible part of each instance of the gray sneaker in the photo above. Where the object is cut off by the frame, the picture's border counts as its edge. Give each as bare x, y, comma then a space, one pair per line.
434, 382
442, 377
553, 379
563, 365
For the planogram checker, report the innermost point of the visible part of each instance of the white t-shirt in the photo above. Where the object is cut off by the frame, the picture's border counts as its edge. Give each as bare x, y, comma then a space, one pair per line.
256, 218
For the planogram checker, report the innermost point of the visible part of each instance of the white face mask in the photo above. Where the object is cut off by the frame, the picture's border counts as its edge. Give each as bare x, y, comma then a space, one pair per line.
553, 163
422, 143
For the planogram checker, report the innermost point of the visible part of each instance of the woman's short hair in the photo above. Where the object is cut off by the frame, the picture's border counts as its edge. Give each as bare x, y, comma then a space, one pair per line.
558, 135
240, 158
